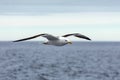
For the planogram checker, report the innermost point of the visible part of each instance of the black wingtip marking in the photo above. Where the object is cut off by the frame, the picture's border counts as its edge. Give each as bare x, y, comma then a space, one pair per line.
17, 41
89, 39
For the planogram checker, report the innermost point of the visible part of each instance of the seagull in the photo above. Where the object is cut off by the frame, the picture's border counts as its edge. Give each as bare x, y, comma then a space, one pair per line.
56, 40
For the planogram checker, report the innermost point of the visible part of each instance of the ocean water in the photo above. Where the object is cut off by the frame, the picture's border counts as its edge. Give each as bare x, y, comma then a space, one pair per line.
79, 61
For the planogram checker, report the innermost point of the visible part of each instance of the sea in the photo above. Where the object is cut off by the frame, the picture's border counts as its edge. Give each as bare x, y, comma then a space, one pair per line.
79, 61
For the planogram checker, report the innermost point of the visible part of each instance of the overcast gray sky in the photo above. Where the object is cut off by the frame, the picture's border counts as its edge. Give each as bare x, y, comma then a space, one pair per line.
38, 7
62, 2
98, 19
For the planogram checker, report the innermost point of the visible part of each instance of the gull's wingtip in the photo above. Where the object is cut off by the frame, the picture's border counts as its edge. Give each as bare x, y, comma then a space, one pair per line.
14, 41
89, 39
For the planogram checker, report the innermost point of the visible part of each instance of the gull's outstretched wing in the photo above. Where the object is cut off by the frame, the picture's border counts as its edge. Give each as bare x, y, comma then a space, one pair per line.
77, 35
48, 36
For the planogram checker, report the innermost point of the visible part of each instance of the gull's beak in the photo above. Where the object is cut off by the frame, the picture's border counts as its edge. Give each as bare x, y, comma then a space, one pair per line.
69, 42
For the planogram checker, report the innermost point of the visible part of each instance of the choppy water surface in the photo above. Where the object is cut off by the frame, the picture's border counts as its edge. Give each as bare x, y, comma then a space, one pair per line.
79, 61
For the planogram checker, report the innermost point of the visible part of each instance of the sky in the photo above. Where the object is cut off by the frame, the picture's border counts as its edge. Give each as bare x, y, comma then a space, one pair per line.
97, 19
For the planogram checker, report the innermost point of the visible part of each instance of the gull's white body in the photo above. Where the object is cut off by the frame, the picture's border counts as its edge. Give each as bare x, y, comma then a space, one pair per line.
60, 42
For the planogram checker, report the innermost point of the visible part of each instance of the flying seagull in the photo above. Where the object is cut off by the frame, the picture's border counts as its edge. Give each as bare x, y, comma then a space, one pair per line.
54, 40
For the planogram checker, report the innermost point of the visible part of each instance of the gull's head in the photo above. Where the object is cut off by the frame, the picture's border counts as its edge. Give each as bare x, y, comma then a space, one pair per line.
65, 40
68, 41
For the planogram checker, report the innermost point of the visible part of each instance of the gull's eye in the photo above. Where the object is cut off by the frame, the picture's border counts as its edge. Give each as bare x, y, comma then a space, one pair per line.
66, 40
